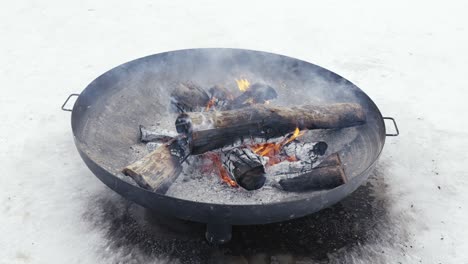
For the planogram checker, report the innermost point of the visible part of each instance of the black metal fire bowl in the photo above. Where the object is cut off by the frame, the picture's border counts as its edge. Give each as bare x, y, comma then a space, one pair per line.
106, 116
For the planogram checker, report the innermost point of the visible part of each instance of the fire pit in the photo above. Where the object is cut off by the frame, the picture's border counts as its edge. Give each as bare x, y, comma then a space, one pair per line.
227, 136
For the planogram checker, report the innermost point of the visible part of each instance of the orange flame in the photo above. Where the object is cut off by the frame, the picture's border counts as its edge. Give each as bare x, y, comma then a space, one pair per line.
271, 150
243, 84
225, 177
223, 173
210, 103
297, 133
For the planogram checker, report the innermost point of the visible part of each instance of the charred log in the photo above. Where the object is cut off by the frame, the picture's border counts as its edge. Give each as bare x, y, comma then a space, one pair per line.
258, 93
220, 92
305, 151
212, 130
245, 167
331, 160
320, 178
187, 97
323, 178
220, 98
302, 157
160, 168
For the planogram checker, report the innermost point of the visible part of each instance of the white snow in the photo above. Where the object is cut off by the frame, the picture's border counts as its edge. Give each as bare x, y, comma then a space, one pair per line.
410, 57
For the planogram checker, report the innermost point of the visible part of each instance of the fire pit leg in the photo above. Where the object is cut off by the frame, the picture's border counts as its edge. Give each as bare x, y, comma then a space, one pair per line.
218, 233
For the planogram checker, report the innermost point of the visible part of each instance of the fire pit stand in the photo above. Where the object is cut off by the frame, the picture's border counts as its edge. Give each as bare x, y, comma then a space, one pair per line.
217, 233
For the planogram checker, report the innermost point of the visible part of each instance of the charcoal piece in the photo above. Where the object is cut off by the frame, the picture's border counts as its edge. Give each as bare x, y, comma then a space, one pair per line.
161, 135
215, 129
160, 168
306, 151
188, 97
245, 167
325, 176
152, 146
258, 93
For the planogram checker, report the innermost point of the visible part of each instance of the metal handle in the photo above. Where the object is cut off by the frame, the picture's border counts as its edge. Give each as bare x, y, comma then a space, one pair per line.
396, 127
66, 101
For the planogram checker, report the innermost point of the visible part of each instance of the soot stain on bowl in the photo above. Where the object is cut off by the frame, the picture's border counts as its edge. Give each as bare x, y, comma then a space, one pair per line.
137, 234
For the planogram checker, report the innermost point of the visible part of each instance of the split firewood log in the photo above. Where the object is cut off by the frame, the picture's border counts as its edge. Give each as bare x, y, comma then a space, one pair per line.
188, 97
245, 167
211, 130
327, 175
160, 168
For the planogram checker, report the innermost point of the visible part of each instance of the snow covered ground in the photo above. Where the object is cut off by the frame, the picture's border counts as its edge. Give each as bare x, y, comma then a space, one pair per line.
410, 57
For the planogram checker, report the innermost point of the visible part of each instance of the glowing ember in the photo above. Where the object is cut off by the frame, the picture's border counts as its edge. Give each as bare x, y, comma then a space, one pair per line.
243, 84
210, 103
291, 158
272, 150
223, 173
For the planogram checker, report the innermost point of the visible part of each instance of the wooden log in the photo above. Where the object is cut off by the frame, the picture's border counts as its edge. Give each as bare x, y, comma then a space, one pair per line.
159, 169
212, 130
188, 97
245, 167
323, 177
258, 93
331, 160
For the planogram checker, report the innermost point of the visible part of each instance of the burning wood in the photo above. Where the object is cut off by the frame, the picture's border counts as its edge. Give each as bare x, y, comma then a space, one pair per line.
157, 170
188, 97
220, 92
249, 115
272, 149
245, 167
302, 157
220, 97
223, 173
256, 94
305, 151
327, 175
212, 130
